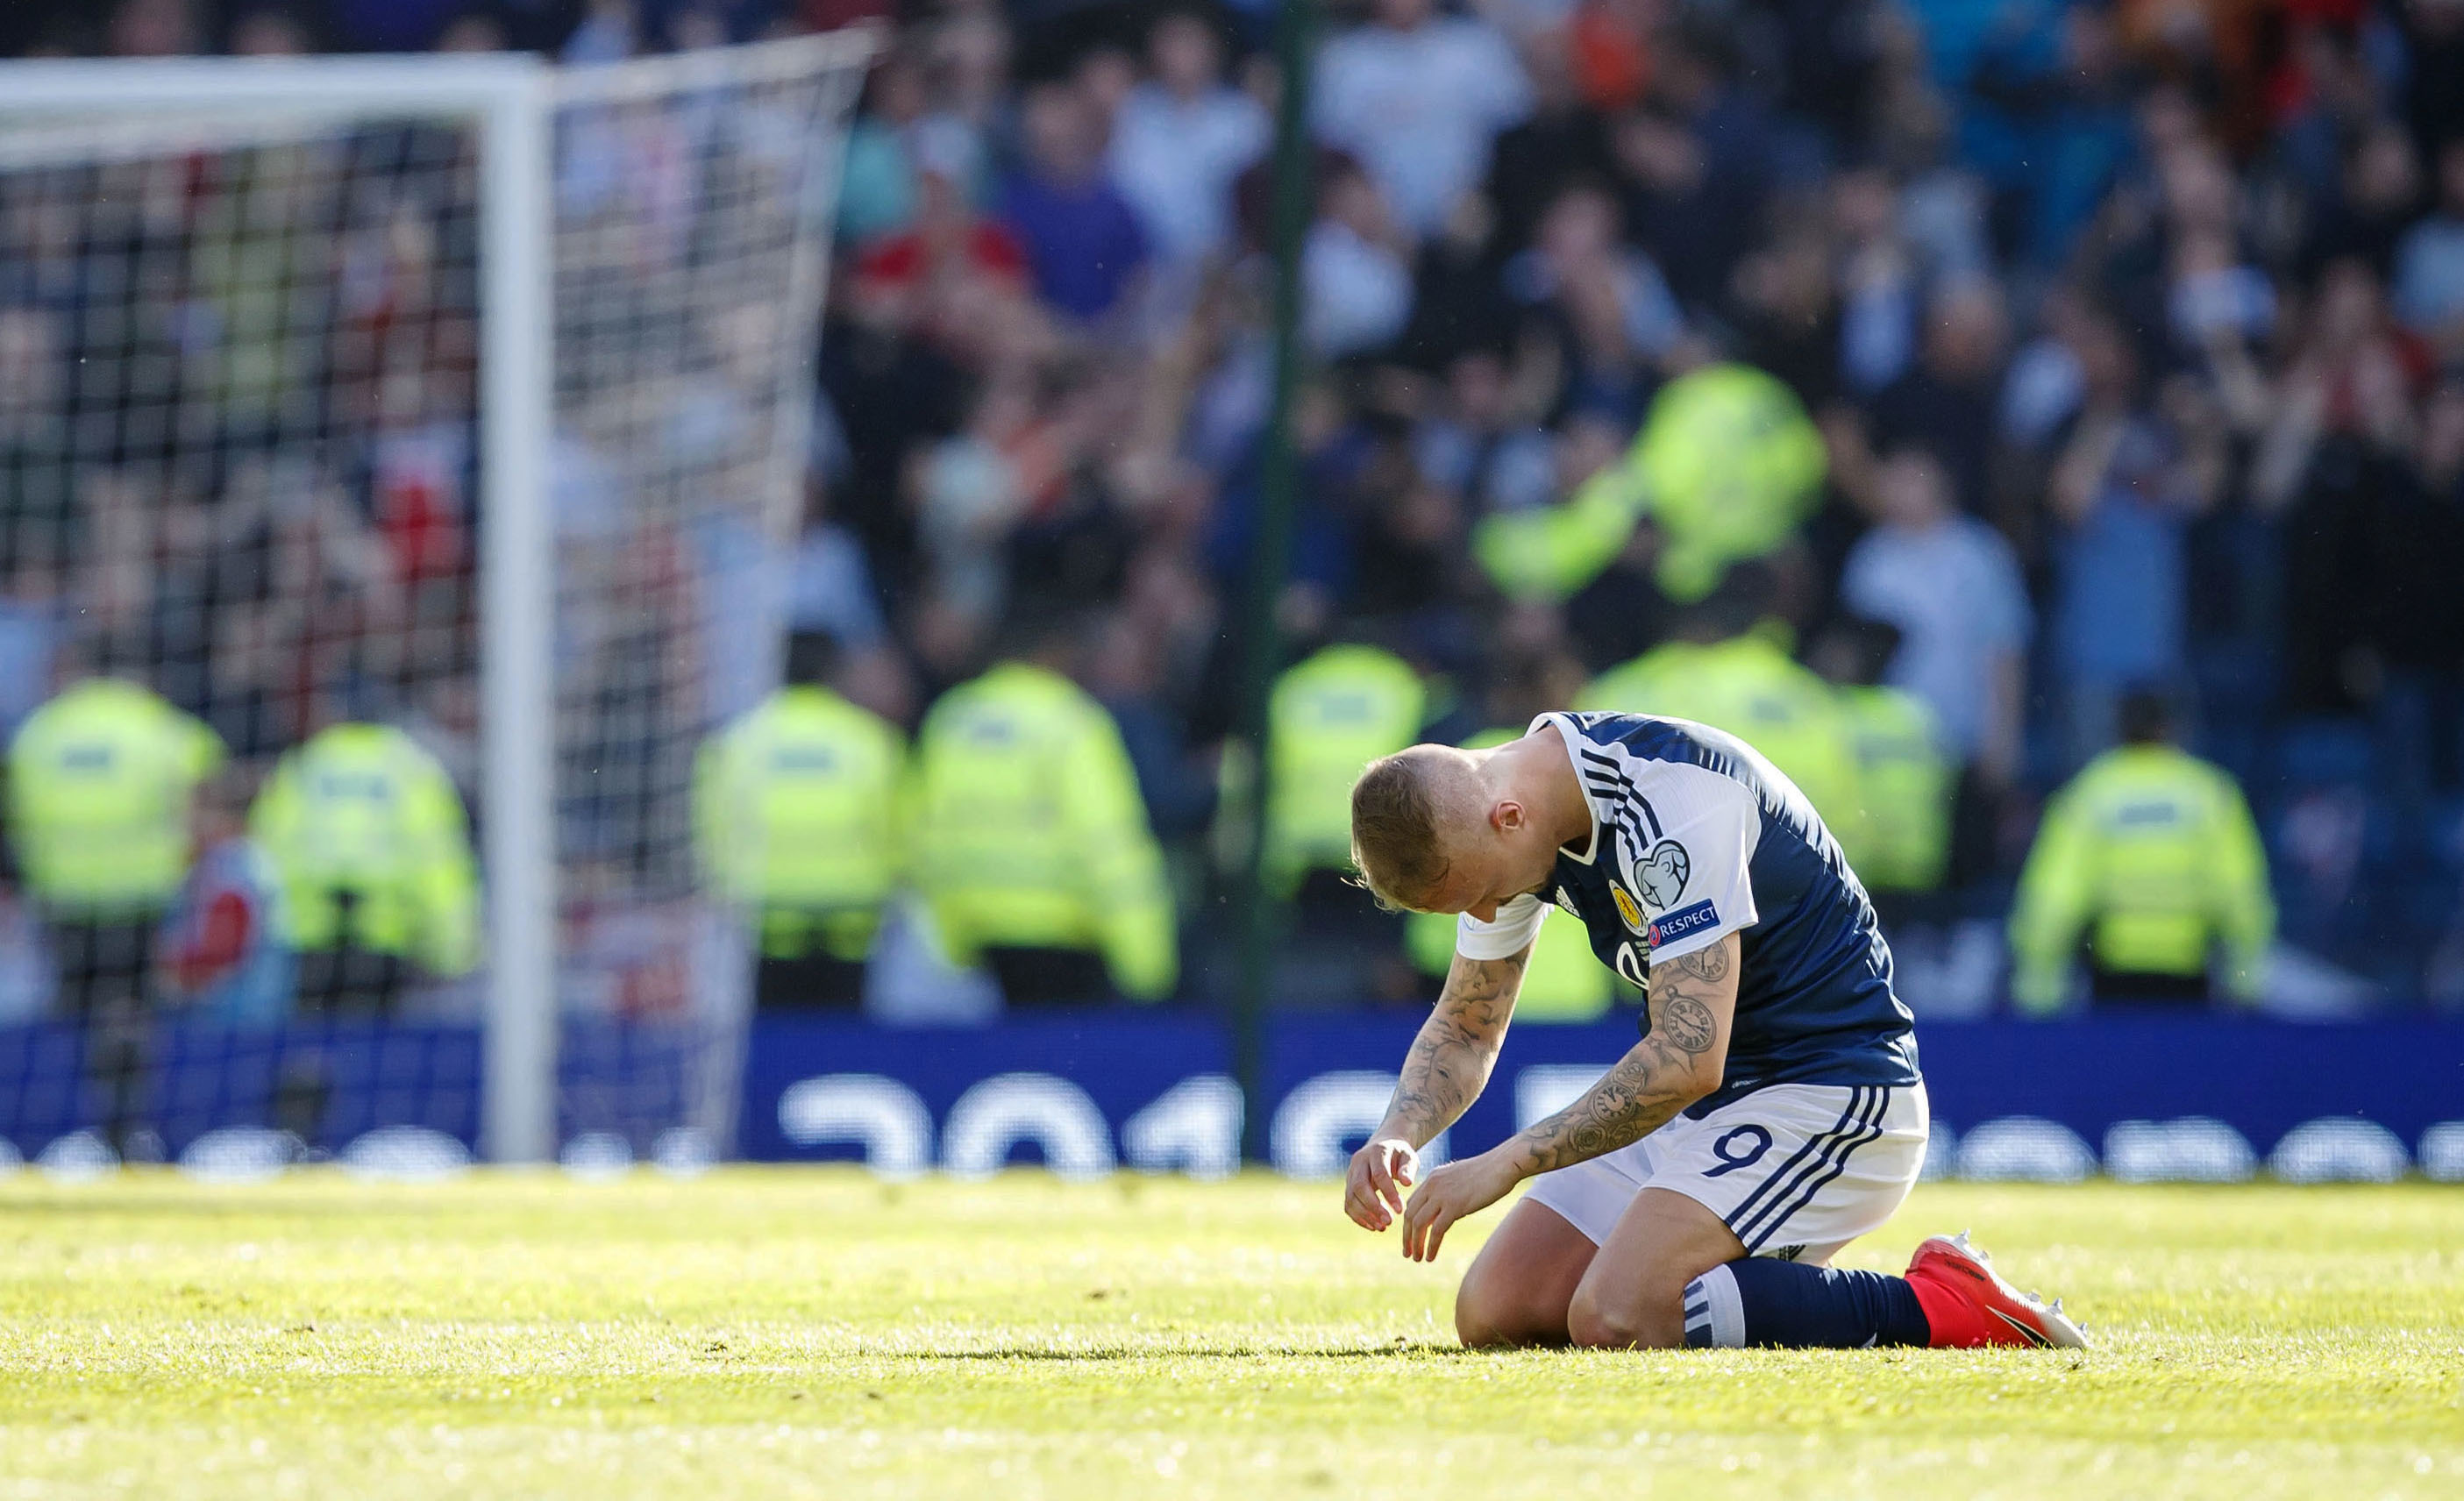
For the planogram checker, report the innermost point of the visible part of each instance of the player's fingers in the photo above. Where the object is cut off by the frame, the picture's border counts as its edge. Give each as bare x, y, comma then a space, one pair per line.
1381, 1178
1437, 1233
1428, 1210
1395, 1167
1361, 1205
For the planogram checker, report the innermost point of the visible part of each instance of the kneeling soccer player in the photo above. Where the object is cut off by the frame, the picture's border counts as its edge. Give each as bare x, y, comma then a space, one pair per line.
1772, 1111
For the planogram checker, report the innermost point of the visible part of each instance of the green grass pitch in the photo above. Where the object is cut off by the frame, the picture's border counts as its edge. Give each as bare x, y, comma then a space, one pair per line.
780, 1333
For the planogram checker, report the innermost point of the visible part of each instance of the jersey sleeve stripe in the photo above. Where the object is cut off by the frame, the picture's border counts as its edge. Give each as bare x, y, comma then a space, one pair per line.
1617, 784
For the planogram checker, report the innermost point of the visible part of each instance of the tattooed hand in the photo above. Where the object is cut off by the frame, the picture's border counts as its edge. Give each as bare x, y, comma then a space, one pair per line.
1445, 1071
1453, 1192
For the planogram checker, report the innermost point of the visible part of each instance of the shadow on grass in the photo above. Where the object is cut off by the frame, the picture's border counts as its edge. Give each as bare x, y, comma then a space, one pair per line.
1387, 1352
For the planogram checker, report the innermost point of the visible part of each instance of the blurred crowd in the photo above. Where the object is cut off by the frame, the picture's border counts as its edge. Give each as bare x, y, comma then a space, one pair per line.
2112, 390
2128, 332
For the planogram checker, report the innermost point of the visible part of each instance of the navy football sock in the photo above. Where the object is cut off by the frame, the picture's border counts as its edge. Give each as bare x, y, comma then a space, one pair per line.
1759, 1300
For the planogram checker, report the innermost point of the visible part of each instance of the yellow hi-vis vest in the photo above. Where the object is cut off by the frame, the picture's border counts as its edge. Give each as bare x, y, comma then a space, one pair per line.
1029, 831
797, 813
1329, 717
1751, 689
1562, 981
1902, 842
363, 814
2152, 853
1727, 463
101, 781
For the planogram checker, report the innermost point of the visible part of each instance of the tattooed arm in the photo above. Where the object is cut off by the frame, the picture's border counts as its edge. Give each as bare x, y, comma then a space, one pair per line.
1449, 1062
1445, 1071
1680, 1060
1677, 1062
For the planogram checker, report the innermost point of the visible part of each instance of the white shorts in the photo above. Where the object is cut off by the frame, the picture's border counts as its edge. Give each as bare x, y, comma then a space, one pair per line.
1797, 1170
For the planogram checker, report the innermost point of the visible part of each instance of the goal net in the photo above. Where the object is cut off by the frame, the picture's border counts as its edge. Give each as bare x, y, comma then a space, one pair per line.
396, 461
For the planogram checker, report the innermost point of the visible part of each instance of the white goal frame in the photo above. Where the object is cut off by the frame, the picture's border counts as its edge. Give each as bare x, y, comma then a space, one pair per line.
510, 101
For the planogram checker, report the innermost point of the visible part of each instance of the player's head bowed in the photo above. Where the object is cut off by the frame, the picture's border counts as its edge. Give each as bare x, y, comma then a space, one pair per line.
1434, 829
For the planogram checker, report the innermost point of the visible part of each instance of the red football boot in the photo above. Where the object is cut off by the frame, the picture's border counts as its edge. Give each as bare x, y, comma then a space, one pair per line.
1969, 1304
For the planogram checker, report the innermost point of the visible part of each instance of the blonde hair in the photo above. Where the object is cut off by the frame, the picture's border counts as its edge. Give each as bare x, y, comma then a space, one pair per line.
1397, 806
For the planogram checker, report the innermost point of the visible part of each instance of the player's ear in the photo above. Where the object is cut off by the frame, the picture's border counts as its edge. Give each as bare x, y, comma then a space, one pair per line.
1506, 816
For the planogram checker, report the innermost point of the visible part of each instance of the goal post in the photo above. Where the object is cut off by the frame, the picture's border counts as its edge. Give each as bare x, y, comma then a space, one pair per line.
518, 1120
684, 191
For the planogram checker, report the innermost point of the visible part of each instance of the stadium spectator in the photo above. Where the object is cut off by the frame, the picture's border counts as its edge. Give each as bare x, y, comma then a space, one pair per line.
2375, 195
798, 813
2413, 546
2055, 115
1945, 400
226, 950
1129, 672
2120, 498
2149, 858
1788, 323
38, 512
2428, 283
374, 853
1418, 97
271, 31
2343, 418
1564, 137
1033, 848
1903, 776
830, 591
2432, 101
1356, 265
1330, 714
1603, 307
950, 267
1180, 141
1697, 162
879, 185
1878, 283
1481, 440
1084, 244
153, 28
102, 781
1950, 585
967, 72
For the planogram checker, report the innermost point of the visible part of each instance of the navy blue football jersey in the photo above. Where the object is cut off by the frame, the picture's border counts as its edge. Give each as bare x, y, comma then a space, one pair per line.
1696, 836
